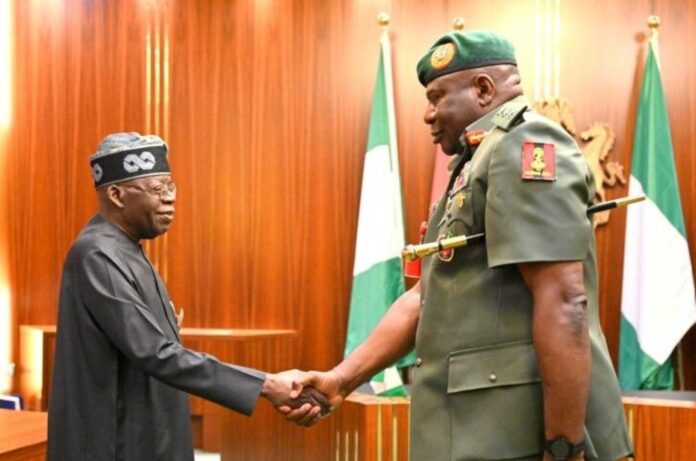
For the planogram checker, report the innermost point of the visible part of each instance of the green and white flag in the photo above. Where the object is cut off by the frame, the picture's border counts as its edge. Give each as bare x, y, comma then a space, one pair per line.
658, 305
378, 278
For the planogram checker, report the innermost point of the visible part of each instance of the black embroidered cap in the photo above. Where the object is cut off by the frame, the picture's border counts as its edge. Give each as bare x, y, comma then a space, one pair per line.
125, 156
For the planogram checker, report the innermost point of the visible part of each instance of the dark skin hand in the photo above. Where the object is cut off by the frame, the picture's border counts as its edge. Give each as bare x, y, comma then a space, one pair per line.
286, 393
313, 397
562, 344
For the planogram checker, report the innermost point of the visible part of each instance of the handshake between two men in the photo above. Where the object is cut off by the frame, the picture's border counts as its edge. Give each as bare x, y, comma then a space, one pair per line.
307, 397
304, 397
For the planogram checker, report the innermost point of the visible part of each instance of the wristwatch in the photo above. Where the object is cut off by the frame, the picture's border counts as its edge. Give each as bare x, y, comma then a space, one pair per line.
561, 448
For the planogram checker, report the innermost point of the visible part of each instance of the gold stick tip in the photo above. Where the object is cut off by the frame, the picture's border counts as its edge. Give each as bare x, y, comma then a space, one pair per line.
458, 23
629, 200
654, 21
408, 253
383, 19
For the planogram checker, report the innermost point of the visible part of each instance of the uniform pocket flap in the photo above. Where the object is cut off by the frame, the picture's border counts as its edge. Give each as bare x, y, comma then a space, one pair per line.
492, 366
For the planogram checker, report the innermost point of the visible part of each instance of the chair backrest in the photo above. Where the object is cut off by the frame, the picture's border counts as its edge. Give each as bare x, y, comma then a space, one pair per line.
11, 402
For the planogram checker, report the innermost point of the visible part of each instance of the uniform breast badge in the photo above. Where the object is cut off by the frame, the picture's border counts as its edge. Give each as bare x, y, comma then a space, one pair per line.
433, 207
460, 199
462, 179
474, 138
538, 161
447, 212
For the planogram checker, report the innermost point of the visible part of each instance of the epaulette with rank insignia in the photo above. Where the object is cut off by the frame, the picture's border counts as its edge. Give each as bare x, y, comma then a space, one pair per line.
509, 114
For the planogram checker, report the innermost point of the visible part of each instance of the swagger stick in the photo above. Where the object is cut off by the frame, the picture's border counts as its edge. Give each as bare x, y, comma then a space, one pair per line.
413, 252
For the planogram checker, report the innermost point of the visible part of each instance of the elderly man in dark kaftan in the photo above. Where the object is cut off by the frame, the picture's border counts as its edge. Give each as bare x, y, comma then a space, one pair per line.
121, 373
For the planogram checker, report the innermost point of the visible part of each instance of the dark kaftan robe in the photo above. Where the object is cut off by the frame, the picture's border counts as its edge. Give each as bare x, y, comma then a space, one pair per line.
121, 375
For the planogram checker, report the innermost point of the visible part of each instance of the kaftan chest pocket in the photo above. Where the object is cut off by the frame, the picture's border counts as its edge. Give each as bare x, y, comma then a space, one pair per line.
495, 400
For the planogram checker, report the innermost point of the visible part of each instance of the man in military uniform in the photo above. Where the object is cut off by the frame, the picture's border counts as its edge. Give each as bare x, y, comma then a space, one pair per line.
512, 363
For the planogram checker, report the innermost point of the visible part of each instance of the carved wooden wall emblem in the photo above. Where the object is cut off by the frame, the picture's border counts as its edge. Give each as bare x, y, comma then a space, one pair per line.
596, 143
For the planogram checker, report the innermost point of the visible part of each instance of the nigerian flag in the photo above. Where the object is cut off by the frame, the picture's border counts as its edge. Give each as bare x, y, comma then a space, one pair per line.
377, 275
658, 304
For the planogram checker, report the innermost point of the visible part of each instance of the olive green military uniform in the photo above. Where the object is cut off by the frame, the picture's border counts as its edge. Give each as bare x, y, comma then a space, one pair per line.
477, 392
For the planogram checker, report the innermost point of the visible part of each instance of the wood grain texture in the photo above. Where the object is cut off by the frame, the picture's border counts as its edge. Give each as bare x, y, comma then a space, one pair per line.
267, 111
662, 431
254, 348
23, 435
369, 428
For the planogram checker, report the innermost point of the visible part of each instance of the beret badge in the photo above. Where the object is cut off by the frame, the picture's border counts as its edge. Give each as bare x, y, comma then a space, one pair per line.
442, 55
456, 51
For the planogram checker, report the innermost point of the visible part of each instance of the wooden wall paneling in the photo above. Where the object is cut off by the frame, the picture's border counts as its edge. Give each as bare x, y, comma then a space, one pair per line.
77, 77
661, 429
617, 78
269, 167
677, 32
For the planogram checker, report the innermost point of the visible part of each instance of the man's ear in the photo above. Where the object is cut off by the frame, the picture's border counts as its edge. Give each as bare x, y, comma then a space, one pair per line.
114, 194
486, 90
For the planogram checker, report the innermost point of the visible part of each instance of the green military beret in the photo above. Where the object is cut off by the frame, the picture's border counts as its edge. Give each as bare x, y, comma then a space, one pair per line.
457, 51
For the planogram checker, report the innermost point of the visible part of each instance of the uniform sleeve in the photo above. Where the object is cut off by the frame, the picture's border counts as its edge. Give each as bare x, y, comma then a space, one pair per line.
532, 220
120, 313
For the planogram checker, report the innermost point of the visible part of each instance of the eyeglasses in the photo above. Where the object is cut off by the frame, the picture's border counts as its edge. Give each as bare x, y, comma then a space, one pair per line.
163, 191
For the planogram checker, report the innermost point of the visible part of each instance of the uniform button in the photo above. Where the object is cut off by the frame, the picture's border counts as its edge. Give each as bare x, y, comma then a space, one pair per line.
419, 361
492, 378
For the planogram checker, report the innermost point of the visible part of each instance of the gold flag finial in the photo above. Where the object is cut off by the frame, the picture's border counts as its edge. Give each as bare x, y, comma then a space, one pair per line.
458, 23
383, 20
654, 23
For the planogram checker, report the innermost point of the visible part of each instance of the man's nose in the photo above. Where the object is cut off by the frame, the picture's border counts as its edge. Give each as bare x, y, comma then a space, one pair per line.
429, 116
169, 196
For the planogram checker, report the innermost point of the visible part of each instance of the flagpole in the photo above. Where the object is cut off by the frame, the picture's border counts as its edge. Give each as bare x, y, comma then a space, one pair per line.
383, 20
654, 23
377, 273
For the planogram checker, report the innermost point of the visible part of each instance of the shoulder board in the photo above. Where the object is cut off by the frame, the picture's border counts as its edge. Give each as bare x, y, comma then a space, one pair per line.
509, 115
